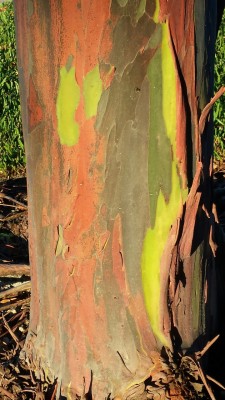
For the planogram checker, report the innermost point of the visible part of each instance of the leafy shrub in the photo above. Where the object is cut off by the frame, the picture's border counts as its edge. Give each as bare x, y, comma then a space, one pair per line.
11, 141
219, 108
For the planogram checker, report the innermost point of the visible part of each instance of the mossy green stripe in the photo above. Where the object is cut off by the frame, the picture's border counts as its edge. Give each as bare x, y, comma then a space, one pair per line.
156, 13
92, 90
166, 195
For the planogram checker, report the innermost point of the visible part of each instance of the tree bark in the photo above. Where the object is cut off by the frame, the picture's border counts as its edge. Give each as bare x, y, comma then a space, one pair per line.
119, 167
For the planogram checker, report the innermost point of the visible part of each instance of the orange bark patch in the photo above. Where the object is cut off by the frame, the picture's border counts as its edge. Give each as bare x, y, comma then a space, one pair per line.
45, 217
107, 77
192, 207
182, 35
91, 34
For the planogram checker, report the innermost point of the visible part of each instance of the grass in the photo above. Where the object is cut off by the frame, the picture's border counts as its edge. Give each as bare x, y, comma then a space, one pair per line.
12, 157
219, 108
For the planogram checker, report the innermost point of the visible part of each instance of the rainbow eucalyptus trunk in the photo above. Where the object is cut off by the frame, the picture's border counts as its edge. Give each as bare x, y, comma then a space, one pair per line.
119, 169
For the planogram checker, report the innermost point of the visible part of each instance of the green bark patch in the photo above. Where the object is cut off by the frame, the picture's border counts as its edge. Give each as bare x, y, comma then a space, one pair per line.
154, 244
141, 9
66, 105
165, 193
124, 121
92, 90
122, 3
156, 13
160, 146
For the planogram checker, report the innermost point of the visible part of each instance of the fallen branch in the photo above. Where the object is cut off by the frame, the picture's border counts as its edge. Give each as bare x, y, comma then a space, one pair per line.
199, 354
6, 393
54, 391
204, 381
14, 304
16, 289
15, 338
12, 270
215, 381
13, 216
19, 204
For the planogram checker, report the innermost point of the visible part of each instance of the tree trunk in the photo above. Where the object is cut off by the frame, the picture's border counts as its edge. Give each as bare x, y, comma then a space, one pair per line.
119, 166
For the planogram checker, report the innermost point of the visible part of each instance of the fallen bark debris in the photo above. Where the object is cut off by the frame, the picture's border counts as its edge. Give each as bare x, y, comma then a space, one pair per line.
15, 290
14, 270
18, 203
14, 304
13, 216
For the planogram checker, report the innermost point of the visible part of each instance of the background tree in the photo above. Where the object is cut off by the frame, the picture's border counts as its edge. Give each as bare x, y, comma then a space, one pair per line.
118, 137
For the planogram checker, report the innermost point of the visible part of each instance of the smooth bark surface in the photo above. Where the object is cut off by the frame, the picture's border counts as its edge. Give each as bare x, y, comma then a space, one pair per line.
118, 184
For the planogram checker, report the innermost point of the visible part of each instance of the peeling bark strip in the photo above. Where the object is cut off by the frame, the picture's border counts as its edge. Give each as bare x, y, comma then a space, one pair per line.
118, 174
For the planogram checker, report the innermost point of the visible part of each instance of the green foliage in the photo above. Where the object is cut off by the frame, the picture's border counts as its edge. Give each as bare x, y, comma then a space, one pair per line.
11, 142
219, 108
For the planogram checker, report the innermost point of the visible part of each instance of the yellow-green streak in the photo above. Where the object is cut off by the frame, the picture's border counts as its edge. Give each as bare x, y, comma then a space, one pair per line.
154, 244
166, 211
156, 13
141, 9
92, 90
66, 104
